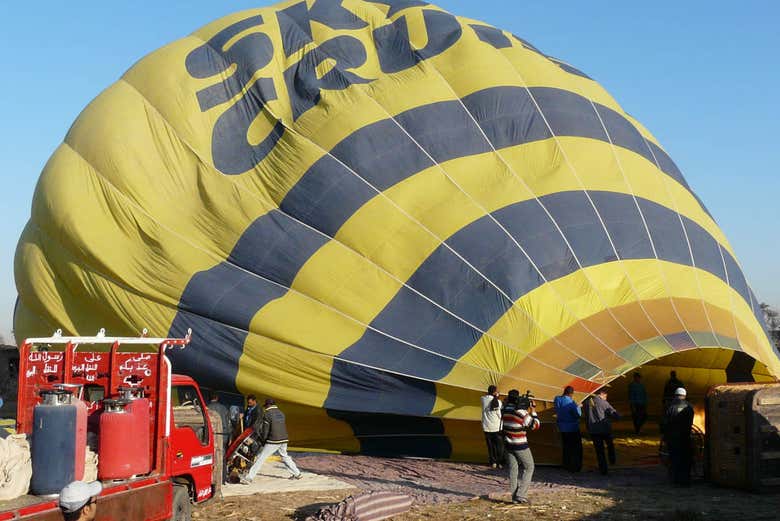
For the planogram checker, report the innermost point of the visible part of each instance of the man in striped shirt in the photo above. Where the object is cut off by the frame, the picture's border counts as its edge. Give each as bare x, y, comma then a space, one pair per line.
517, 421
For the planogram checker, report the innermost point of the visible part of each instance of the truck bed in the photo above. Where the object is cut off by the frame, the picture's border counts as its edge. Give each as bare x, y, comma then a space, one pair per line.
140, 498
22, 501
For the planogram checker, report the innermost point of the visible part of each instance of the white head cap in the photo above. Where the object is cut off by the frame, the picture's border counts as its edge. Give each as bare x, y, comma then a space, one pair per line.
680, 392
77, 494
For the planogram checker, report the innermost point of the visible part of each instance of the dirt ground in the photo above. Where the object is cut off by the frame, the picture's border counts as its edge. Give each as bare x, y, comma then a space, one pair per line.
458, 491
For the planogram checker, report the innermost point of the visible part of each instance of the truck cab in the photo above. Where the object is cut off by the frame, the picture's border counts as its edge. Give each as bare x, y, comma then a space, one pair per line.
191, 448
98, 369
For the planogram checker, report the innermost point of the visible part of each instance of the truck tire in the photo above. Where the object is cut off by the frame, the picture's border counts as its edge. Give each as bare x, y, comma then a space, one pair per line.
181, 508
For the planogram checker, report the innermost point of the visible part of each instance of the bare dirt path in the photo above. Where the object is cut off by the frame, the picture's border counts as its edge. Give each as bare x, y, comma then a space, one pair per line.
457, 491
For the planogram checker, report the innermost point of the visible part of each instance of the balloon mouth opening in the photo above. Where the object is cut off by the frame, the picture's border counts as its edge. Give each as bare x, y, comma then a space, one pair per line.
699, 369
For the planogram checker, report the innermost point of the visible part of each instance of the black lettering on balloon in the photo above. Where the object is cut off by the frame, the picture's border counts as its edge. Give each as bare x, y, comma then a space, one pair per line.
395, 51
399, 5
250, 54
303, 86
393, 47
232, 153
295, 22
230, 148
491, 35
443, 32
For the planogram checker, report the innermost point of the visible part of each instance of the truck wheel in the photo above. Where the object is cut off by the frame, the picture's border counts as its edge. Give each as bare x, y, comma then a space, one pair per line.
181, 508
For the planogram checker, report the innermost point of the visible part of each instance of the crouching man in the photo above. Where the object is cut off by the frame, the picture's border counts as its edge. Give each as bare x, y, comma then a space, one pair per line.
518, 418
273, 436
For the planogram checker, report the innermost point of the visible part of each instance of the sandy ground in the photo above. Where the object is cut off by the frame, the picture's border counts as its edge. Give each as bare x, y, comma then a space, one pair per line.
274, 478
458, 491
449, 491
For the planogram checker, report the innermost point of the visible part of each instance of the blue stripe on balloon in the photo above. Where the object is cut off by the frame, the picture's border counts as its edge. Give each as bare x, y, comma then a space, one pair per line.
219, 303
276, 247
450, 282
383, 155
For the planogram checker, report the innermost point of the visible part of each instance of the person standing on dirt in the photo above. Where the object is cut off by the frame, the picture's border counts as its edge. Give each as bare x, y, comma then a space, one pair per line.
568, 414
273, 437
225, 431
599, 415
517, 420
671, 386
676, 428
250, 413
491, 426
637, 400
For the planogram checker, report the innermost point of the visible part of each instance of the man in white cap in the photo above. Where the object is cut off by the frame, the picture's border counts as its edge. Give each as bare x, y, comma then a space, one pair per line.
78, 500
676, 427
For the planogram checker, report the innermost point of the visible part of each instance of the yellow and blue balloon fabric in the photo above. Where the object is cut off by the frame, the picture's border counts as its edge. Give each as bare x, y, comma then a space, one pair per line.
371, 211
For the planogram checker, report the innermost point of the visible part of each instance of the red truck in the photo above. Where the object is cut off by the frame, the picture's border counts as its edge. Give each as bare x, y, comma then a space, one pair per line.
181, 448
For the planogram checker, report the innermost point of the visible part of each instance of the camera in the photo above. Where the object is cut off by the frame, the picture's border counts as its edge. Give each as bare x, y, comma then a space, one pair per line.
526, 401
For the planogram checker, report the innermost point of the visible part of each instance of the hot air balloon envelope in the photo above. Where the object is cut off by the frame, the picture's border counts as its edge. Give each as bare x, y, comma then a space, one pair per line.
371, 211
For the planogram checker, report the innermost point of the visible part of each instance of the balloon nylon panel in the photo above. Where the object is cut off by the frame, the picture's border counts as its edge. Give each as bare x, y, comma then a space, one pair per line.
371, 210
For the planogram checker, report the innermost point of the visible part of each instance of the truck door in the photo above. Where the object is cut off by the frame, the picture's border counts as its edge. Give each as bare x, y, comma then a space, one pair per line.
192, 452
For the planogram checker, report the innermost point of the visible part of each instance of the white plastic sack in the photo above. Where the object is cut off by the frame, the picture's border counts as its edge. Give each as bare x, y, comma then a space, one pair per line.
91, 458
15, 467
90, 466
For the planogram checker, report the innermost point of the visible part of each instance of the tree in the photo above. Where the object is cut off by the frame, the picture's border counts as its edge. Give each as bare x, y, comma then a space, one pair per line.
772, 321
770, 316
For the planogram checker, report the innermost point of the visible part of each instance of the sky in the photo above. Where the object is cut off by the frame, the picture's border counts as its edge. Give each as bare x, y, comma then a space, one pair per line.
701, 76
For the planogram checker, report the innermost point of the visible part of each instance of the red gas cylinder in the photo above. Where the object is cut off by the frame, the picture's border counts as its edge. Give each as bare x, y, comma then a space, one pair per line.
123, 441
141, 408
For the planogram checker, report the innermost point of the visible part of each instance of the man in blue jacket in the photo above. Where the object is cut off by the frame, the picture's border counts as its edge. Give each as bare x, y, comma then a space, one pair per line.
568, 418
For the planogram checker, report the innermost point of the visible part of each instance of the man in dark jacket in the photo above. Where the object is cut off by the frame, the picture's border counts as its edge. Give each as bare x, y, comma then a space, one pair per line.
669, 388
568, 414
599, 415
250, 413
676, 427
637, 400
273, 434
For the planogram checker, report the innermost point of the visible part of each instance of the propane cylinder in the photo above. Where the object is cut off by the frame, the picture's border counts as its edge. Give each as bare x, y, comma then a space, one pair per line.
59, 441
123, 440
141, 408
